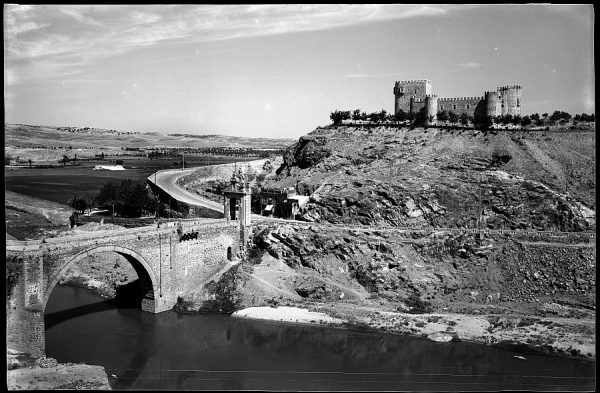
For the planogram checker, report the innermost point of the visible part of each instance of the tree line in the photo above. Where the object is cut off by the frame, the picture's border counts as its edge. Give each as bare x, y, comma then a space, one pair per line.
127, 198
420, 118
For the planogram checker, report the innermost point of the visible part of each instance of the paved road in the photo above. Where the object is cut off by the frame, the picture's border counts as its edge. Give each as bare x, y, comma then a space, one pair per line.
166, 180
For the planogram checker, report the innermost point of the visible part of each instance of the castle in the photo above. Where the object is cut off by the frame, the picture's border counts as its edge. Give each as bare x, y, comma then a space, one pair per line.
415, 95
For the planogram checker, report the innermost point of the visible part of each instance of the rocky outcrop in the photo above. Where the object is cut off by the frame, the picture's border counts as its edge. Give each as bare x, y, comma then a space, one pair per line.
442, 178
436, 271
26, 372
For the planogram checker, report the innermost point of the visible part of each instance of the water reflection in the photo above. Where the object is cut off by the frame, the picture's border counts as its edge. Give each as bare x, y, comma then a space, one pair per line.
175, 351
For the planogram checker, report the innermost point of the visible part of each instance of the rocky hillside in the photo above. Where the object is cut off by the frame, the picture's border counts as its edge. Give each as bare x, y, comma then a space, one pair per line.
443, 178
437, 271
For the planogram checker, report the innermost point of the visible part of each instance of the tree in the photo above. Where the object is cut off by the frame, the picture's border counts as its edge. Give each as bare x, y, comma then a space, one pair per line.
506, 119
29, 162
464, 119
442, 116
383, 115
79, 204
517, 120
400, 115
357, 114
526, 121
65, 159
453, 117
338, 116
488, 122
128, 198
375, 117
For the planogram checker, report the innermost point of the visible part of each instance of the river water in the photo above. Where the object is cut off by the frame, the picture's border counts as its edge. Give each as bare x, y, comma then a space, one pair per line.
217, 352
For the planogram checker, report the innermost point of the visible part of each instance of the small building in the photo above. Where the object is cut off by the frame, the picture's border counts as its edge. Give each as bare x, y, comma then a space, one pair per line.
295, 204
109, 168
272, 201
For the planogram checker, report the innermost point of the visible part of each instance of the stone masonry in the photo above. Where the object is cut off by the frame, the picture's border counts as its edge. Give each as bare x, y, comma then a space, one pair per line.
170, 260
414, 95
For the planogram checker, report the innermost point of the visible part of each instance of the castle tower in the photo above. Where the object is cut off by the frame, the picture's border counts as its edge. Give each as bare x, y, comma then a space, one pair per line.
510, 99
492, 103
404, 91
431, 107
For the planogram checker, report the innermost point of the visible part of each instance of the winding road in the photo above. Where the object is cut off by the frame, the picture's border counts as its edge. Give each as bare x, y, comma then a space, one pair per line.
166, 180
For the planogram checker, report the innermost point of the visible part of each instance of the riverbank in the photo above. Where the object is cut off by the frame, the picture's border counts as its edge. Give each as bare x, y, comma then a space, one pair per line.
26, 372
550, 336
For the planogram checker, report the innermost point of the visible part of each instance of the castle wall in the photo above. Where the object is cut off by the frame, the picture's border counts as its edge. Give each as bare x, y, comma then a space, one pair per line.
459, 105
404, 90
412, 96
510, 100
492, 104
416, 105
431, 105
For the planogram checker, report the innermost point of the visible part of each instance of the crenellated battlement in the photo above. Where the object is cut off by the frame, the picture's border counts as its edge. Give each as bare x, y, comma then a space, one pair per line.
412, 96
413, 81
460, 98
510, 87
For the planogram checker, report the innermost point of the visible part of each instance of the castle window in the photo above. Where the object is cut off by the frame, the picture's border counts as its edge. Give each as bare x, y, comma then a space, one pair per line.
518, 103
441, 106
454, 107
468, 106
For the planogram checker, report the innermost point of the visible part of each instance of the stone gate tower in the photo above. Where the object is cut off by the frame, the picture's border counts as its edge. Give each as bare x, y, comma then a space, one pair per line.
238, 205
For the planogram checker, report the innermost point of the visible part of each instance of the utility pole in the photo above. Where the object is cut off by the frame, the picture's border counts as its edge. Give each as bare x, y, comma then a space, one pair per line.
183, 161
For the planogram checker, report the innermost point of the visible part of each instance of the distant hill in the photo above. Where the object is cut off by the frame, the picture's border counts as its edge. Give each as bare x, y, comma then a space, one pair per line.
27, 136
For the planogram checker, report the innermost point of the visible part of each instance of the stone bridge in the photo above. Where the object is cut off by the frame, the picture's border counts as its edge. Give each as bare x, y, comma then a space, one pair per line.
170, 259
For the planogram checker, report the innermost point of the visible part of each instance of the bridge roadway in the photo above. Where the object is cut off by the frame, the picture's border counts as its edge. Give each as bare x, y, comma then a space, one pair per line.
167, 178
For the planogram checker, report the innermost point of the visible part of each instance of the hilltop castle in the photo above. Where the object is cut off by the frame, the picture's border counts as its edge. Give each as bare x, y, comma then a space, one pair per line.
412, 96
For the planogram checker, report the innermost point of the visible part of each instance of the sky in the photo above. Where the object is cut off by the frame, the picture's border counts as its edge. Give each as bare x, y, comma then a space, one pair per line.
278, 71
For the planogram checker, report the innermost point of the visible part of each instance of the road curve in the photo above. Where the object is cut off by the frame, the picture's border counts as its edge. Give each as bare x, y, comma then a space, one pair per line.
166, 181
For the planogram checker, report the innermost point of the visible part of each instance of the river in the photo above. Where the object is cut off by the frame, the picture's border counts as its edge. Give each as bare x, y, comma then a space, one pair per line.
216, 352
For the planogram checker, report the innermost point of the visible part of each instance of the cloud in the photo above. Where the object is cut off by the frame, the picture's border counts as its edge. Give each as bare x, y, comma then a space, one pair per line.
459, 67
360, 75
468, 66
80, 34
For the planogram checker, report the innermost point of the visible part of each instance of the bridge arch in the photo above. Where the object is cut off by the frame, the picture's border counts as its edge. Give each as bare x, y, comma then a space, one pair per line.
141, 266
